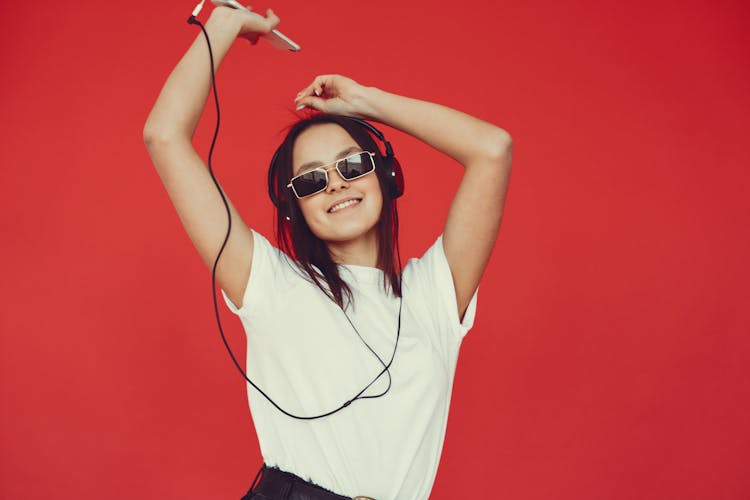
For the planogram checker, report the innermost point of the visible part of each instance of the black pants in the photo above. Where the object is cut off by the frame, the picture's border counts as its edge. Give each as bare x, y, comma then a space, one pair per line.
276, 484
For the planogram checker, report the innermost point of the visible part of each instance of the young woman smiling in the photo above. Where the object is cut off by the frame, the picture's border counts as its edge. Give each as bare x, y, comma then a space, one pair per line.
356, 355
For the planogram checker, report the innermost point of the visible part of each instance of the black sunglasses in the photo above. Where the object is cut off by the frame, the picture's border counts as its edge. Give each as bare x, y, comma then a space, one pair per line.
316, 180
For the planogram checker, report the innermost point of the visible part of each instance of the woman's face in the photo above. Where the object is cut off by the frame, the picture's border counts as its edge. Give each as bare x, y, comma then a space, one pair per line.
323, 144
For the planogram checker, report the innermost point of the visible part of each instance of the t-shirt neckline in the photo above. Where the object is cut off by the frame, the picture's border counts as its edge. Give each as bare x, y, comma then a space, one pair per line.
363, 274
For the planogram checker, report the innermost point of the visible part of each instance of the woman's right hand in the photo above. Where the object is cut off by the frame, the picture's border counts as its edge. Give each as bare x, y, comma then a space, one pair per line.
252, 24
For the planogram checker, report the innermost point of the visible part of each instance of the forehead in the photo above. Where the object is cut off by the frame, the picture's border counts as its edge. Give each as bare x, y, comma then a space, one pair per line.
320, 143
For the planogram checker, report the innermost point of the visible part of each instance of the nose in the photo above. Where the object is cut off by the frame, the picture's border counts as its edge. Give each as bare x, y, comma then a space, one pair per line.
336, 182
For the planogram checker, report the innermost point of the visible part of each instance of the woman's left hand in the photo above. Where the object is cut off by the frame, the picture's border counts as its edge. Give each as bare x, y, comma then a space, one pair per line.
337, 95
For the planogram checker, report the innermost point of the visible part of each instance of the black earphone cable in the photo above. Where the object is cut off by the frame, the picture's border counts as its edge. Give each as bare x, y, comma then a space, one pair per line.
192, 20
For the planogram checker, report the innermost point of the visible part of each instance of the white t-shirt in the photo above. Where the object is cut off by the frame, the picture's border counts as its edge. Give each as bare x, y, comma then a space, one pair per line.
304, 354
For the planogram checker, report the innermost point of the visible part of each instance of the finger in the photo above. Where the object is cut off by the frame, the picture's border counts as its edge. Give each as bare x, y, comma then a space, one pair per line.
319, 85
313, 102
272, 18
324, 83
306, 92
302, 94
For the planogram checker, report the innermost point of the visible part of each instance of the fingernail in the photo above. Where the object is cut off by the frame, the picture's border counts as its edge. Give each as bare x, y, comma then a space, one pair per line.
316, 92
301, 107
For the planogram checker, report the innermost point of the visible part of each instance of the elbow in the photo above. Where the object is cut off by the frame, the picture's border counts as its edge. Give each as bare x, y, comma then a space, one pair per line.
151, 135
500, 146
155, 137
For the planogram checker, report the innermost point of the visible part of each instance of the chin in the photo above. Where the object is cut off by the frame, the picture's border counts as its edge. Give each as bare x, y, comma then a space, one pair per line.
344, 228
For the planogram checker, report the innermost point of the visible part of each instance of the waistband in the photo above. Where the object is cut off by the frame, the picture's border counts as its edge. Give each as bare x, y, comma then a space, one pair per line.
276, 484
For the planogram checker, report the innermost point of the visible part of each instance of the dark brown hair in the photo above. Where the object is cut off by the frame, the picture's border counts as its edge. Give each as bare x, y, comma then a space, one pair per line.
294, 236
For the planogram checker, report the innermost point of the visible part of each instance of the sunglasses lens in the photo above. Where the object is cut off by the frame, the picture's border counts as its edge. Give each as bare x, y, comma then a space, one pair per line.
310, 183
316, 181
356, 166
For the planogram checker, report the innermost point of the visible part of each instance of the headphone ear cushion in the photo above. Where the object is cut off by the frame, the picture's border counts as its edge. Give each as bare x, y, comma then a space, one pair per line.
394, 176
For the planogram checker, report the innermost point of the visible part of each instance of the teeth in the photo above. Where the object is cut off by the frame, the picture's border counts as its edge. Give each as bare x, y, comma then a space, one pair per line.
343, 205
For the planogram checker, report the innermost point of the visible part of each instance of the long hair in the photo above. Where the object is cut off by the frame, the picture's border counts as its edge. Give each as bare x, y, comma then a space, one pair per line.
309, 252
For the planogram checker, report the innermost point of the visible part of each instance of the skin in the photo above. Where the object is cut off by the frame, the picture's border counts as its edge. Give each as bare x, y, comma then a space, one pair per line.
482, 149
350, 232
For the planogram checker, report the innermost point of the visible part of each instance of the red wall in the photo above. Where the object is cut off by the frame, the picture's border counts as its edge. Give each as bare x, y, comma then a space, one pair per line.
610, 356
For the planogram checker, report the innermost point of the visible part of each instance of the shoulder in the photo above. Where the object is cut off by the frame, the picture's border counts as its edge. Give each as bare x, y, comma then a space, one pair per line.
270, 255
272, 274
429, 281
432, 260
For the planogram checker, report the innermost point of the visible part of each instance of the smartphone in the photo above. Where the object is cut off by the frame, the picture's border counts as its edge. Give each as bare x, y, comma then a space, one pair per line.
275, 37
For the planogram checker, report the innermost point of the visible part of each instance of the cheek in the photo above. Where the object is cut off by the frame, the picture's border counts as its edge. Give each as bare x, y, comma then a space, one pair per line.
309, 208
314, 212
378, 200
377, 194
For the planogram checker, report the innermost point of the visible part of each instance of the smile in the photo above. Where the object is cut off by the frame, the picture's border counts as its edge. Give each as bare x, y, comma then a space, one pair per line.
344, 204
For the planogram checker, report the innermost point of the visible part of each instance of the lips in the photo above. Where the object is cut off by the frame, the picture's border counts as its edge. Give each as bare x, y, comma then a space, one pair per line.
345, 203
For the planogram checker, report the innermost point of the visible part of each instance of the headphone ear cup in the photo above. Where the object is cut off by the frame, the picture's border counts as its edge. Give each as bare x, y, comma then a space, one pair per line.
394, 176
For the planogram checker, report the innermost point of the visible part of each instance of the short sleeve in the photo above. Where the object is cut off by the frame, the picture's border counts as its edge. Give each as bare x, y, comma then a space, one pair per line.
432, 278
269, 272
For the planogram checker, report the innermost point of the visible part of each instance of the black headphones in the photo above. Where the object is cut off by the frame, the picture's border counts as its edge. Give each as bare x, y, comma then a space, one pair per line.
392, 175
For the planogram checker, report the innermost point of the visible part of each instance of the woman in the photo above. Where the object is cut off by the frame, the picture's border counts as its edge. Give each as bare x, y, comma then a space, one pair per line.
334, 315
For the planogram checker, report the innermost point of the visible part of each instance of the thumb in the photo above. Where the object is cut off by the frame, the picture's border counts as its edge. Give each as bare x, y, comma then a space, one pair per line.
313, 102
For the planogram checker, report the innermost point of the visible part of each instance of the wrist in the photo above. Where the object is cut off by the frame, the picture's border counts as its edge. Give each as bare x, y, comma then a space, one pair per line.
224, 21
367, 103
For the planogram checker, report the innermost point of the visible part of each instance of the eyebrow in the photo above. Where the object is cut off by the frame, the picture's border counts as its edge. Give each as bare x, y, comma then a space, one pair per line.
313, 164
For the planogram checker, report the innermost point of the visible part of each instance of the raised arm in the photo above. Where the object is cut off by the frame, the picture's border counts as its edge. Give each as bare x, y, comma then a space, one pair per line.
483, 149
168, 132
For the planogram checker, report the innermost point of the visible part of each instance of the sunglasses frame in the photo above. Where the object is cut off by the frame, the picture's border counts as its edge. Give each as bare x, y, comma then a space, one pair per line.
329, 166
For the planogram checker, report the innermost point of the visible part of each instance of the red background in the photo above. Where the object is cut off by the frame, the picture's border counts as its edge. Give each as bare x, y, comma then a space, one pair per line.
610, 355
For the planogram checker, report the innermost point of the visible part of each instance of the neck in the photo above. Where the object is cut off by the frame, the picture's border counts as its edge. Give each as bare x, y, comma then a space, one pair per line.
362, 251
